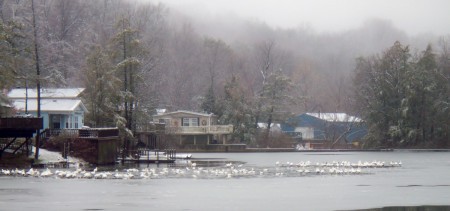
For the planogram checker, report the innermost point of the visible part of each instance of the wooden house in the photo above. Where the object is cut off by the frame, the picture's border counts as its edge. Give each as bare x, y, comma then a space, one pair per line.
194, 129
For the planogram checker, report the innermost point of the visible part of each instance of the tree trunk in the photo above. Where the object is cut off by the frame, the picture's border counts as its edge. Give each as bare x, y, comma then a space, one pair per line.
38, 83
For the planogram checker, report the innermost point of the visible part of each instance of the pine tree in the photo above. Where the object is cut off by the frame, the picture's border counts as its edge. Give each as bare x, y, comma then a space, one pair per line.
417, 105
440, 130
126, 48
238, 112
380, 90
101, 93
401, 98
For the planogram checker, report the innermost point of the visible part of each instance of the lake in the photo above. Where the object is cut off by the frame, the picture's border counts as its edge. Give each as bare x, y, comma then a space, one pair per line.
277, 183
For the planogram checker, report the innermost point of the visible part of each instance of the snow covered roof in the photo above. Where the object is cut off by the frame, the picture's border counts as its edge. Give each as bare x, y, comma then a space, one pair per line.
160, 111
335, 117
46, 93
50, 105
186, 112
272, 125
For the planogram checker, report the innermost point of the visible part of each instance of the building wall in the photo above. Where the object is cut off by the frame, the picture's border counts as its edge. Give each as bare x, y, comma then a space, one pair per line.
176, 120
64, 120
307, 132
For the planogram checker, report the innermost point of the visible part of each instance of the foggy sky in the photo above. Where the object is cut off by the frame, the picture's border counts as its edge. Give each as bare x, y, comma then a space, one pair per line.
413, 16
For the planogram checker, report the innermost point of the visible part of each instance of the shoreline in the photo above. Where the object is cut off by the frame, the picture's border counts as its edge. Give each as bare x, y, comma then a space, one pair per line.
258, 150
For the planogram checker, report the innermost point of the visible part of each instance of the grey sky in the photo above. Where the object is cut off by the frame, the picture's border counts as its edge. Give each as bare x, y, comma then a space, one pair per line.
412, 16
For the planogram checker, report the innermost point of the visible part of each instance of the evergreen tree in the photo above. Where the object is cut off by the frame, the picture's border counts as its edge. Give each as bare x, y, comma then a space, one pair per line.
380, 89
126, 49
417, 106
101, 93
238, 112
401, 98
442, 101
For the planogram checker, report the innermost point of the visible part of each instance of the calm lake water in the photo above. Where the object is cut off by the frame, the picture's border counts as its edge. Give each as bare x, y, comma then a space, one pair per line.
423, 179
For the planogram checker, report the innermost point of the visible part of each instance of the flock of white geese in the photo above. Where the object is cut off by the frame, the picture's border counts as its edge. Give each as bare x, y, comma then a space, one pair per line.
192, 170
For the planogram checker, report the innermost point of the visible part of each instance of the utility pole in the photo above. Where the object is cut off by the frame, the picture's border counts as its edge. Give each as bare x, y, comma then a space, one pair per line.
38, 78
26, 96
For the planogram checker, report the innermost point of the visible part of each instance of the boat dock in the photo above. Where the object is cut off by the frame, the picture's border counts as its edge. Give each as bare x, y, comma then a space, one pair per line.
144, 155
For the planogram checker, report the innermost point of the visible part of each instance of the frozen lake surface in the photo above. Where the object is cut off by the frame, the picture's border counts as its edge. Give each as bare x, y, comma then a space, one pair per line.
422, 179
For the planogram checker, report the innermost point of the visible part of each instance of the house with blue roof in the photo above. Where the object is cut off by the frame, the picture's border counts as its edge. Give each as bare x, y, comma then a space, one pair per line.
61, 108
325, 129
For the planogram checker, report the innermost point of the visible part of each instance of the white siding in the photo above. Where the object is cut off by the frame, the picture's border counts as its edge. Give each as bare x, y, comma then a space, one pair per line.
307, 132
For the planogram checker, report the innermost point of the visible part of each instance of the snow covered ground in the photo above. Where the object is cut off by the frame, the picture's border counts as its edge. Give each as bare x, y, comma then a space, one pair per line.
46, 156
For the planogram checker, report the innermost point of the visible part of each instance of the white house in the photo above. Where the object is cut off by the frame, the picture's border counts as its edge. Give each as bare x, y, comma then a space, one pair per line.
60, 108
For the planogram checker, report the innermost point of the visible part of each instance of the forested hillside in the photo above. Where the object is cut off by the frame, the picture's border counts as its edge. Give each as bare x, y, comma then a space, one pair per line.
133, 57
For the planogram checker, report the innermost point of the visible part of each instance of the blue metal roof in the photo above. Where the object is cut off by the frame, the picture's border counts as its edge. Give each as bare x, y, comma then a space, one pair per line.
321, 126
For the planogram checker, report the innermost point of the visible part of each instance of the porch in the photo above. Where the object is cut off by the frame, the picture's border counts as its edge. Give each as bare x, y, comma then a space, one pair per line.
72, 120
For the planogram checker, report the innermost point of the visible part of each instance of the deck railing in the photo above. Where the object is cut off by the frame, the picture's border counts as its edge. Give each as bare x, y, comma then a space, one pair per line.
154, 127
143, 153
83, 133
213, 129
59, 132
98, 132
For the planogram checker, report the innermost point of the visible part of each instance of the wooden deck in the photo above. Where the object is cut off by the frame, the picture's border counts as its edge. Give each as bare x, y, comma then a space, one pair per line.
21, 127
21, 130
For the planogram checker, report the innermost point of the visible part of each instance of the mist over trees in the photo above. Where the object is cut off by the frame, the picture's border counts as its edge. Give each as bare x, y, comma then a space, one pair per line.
134, 57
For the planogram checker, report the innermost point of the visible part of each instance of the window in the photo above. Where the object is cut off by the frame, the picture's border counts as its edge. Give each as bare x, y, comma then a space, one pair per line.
75, 119
194, 122
190, 122
70, 122
185, 122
